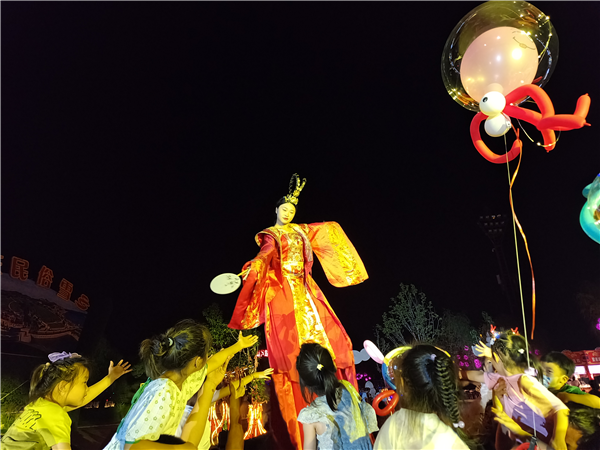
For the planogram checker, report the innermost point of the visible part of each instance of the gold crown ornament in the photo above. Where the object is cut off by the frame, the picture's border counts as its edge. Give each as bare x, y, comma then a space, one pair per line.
295, 189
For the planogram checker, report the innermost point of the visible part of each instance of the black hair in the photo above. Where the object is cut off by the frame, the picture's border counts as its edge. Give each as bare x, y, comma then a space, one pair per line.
169, 439
511, 348
174, 349
317, 374
586, 420
562, 361
283, 201
45, 377
430, 384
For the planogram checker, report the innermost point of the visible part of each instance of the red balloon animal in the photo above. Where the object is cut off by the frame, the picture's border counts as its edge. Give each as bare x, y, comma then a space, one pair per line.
546, 122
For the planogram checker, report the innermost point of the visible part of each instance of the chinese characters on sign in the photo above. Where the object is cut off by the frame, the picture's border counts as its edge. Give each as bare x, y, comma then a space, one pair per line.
19, 269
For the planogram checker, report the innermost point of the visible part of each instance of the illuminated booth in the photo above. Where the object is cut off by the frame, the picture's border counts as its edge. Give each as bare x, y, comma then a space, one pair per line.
587, 362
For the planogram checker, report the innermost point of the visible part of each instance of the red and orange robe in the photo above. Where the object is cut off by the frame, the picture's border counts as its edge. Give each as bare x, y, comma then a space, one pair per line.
281, 293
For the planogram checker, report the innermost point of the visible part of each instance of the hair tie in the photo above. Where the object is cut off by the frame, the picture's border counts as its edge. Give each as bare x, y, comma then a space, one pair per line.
53, 357
521, 351
433, 356
319, 366
170, 342
460, 424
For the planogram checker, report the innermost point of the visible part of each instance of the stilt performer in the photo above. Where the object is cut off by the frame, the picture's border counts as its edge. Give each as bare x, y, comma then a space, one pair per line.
279, 291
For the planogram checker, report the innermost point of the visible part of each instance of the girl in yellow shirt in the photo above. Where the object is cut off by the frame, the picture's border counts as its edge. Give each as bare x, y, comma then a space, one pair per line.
57, 387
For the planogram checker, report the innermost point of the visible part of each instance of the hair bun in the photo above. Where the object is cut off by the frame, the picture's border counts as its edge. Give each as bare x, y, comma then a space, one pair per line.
160, 346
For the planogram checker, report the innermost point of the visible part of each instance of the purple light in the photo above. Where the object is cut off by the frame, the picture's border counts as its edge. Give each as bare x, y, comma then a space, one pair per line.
537, 352
466, 348
461, 364
477, 363
465, 357
466, 364
458, 356
598, 325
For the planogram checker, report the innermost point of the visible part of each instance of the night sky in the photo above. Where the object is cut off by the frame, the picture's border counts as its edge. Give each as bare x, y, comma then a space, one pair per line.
145, 144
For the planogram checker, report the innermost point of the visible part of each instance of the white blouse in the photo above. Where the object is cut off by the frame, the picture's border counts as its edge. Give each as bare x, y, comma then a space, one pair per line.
158, 411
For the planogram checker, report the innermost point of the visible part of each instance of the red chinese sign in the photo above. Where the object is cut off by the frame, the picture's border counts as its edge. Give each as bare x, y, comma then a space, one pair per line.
593, 356
19, 270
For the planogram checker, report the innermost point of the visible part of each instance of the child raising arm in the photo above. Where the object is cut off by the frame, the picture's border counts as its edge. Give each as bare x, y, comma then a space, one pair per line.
56, 387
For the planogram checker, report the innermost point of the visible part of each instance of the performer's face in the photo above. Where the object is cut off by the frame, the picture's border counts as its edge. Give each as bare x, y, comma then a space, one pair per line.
285, 213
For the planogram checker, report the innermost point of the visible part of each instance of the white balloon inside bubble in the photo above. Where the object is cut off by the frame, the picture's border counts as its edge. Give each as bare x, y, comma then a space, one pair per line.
492, 103
497, 126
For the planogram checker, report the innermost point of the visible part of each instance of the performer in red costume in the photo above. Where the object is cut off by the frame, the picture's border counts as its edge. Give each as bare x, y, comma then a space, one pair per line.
279, 291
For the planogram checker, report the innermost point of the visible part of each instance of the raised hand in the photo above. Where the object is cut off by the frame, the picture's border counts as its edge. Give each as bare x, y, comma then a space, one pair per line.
247, 341
264, 374
239, 391
500, 389
482, 350
121, 368
506, 420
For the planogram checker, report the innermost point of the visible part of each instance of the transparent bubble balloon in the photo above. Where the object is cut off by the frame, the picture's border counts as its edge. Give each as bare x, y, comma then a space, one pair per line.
494, 48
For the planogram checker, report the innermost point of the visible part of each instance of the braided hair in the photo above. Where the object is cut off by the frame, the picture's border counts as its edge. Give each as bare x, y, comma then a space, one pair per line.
317, 375
174, 349
430, 384
46, 377
511, 348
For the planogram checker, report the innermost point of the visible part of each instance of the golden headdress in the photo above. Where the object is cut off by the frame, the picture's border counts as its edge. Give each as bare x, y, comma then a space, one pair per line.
295, 189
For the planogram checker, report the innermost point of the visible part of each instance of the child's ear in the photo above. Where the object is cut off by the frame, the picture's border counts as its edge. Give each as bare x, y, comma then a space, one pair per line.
61, 387
564, 379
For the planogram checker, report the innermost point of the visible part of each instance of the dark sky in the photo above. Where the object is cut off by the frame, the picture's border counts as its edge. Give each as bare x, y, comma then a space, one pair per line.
145, 144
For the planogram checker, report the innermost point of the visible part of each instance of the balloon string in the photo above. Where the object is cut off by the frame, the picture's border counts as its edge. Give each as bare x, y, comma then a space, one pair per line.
516, 221
531, 139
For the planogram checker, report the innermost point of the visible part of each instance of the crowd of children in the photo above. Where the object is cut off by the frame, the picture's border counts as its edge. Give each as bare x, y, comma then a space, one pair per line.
531, 400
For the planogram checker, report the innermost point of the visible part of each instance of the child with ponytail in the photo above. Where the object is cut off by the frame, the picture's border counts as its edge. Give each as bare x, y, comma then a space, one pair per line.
521, 393
57, 387
430, 416
337, 418
177, 365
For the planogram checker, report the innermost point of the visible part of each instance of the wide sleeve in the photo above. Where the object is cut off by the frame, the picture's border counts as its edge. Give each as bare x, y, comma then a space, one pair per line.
250, 306
337, 255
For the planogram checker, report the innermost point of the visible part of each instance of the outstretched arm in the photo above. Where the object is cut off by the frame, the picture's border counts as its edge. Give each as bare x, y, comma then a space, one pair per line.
226, 391
195, 425
591, 401
94, 391
508, 422
219, 358
249, 309
235, 439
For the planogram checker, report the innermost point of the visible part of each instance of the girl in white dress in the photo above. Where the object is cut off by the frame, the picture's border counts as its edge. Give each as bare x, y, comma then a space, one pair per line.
429, 418
177, 365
